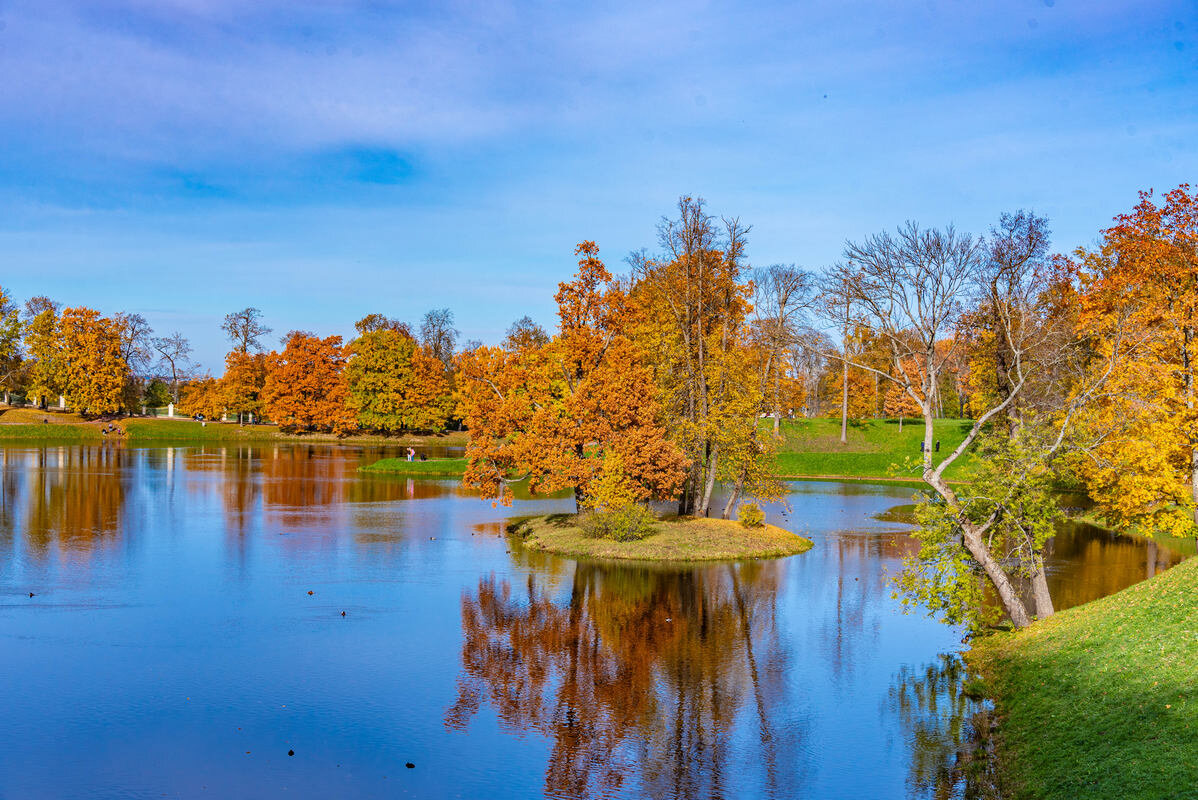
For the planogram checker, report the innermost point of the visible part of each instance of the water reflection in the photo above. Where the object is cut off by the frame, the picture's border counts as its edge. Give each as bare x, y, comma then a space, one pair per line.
640, 678
946, 732
173, 645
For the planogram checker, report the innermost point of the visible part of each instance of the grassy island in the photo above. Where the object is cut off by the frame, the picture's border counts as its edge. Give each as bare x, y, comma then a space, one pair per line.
445, 467
1101, 700
676, 539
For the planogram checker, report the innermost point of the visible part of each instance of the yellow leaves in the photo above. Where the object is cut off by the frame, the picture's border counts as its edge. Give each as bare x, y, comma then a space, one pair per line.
394, 385
93, 370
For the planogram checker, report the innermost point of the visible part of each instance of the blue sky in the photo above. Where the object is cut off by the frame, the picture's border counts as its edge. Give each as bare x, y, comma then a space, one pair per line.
325, 160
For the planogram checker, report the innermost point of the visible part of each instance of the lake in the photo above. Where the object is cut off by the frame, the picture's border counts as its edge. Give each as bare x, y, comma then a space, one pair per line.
269, 622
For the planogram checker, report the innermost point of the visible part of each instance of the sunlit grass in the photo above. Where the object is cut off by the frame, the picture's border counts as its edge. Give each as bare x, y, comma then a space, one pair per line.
875, 449
434, 466
1101, 701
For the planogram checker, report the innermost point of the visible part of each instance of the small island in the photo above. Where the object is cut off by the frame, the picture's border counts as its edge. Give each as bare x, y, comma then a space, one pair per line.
673, 539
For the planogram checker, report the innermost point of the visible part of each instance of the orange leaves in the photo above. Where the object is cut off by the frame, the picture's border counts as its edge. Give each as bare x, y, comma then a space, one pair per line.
1139, 302
305, 385
551, 411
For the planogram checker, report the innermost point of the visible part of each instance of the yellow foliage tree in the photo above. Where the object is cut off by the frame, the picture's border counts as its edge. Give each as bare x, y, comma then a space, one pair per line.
94, 369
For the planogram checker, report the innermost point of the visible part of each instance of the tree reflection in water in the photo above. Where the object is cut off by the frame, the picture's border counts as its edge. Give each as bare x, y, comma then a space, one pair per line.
639, 680
948, 733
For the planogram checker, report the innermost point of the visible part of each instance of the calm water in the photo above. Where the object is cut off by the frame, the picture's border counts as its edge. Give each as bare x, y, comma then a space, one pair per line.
186, 632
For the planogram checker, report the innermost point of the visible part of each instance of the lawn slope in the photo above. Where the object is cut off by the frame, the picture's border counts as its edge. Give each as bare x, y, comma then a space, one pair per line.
876, 448
1101, 701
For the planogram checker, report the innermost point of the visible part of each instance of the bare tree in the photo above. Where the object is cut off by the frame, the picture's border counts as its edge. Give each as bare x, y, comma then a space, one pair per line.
781, 294
910, 289
136, 340
836, 303
174, 353
439, 336
381, 322
806, 355
524, 334
244, 329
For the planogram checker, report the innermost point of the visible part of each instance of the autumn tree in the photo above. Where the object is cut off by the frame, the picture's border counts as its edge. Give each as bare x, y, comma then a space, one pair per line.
94, 368
244, 329
692, 302
1139, 291
899, 403
43, 350
137, 349
10, 343
204, 396
524, 334
305, 387
243, 383
552, 412
395, 385
381, 322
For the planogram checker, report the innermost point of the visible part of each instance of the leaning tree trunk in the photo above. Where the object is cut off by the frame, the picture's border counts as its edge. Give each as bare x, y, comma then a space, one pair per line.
975, 543
1040, 595
735, 496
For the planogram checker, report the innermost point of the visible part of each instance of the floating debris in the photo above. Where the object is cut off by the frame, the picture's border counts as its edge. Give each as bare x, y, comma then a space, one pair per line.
290, 752
410, 765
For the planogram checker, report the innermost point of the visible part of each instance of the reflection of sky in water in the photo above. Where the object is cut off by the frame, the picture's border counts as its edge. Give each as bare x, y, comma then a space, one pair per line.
172, 632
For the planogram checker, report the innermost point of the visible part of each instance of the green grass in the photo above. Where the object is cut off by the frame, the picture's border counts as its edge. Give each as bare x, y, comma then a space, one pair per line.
434, 466
875, 448
23, 424
679, 539
69, 433
185, 430
1101, 701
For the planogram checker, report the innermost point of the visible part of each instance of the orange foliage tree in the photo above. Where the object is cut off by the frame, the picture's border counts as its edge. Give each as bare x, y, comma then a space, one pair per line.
305, 387
243, 382
202, 396
553, 411
93, 367
1140, 291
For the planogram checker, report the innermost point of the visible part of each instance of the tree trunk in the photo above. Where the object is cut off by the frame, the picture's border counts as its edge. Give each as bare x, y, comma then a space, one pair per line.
844, 405
1007, 595
735, 496
710, 483
1040, 594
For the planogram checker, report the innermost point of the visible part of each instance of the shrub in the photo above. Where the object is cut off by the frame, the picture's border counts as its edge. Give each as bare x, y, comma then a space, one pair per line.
626, 523
750, 516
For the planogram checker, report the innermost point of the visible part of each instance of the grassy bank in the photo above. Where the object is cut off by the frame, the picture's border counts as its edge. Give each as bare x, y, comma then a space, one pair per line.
452, 467
24, 425
811, 448
674, 540
1101, 701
